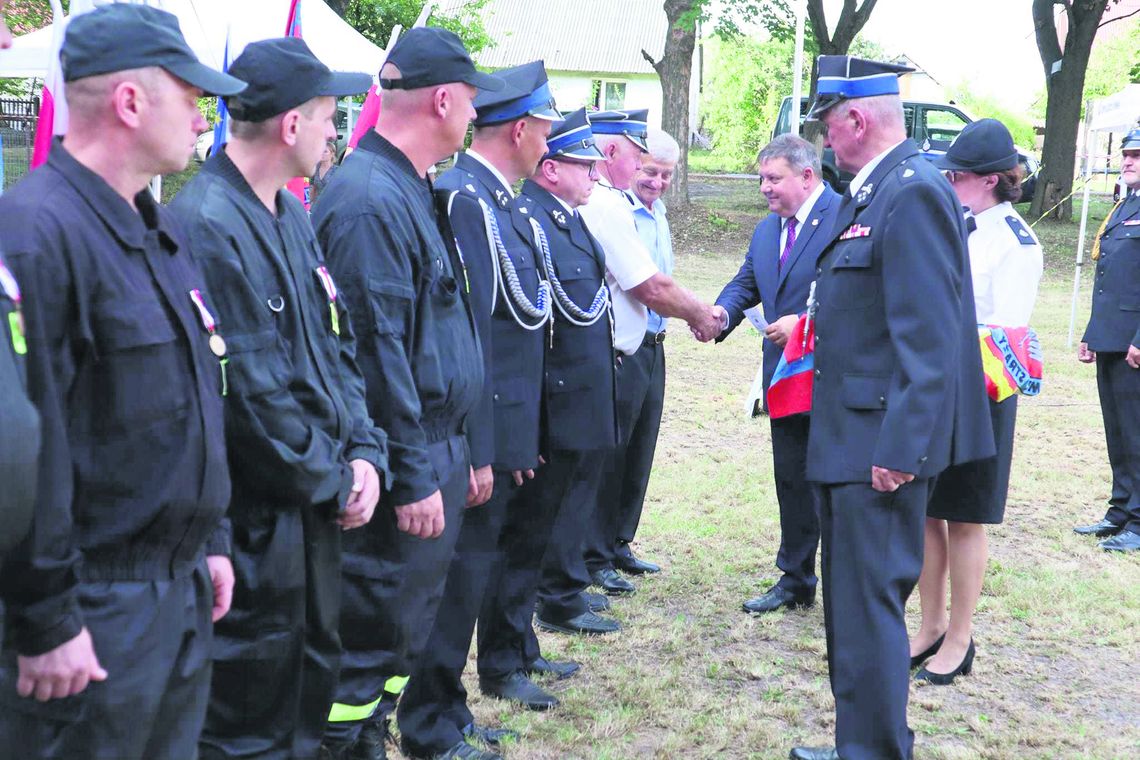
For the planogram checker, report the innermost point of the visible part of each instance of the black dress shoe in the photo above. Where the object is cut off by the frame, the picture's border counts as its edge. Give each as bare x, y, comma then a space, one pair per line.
518, 688
1124, 541
491, 737
1101, 529
596, 602
587, 623
612, 583
777, 598
369, 743
541, 666
635, 566
813, 753
927, 653
464, 751
945, 679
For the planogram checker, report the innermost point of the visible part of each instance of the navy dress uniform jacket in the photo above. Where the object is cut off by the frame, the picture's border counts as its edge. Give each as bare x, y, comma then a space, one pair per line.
898, 378
19, 423
580, 380
503, 428
1115, 321
128, 393
780, 290
394, 258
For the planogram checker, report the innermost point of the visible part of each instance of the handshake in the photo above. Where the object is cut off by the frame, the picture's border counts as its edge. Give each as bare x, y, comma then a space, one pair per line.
707, 322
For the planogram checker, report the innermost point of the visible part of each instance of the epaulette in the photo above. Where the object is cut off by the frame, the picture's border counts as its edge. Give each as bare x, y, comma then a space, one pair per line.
467, 185
1024, 236
905, 172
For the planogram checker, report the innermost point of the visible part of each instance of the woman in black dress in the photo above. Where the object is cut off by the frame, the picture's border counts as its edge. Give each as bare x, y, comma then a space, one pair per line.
1006, 265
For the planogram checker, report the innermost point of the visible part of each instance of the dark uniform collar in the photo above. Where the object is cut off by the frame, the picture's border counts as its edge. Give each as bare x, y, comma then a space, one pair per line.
472, 165
222, 166
374, 143
129, 226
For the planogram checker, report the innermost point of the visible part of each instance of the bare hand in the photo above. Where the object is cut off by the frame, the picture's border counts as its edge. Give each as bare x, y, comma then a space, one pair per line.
480, 484
423, 518
222, 576
63, 672
361, 502
518, 475
780, 331
707, 325
1133, 357
1088, 357
888, 481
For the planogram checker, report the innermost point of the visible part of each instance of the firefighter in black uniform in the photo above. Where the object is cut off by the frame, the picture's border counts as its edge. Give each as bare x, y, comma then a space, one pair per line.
110, 599
19, 423
578, 414
303, 452
391, 250
510, 300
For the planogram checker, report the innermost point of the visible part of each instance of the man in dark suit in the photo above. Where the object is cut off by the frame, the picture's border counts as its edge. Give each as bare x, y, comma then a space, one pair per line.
777, 272
510, 301
578, 422
1112, 340
898, 395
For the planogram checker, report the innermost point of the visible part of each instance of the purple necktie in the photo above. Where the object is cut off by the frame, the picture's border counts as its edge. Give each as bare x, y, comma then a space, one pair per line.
790, 242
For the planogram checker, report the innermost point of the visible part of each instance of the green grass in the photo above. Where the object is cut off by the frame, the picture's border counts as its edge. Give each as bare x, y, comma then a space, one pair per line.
690, 676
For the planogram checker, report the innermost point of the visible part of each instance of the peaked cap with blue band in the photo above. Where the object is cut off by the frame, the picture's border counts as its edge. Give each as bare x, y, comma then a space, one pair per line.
842, 77
527, 93
572, 138
632, 124
1131, 140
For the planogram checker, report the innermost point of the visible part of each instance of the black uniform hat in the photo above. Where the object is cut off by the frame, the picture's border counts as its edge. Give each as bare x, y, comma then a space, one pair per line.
428, 55
573, 138
527, 93
842, 77
983, 147
632, 124
122, 36
282, 74
1131, 140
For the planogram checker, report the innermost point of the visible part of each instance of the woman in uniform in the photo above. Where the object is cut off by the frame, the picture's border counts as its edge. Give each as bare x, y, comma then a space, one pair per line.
1006, 263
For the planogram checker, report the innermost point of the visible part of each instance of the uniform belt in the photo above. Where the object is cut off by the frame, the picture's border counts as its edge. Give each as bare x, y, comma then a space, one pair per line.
653, 338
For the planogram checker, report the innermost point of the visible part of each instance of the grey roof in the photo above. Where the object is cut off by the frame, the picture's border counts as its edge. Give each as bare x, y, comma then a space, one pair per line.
605, 36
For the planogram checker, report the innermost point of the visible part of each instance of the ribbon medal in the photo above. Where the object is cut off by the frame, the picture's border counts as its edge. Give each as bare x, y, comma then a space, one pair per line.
330, 291
16, 317
217, 342
855, 231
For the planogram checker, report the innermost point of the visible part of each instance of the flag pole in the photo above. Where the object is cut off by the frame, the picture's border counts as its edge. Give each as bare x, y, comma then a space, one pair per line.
798, 68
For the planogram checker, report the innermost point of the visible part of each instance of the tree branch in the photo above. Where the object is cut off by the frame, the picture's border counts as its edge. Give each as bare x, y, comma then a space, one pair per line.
819, 23
649, 58
1119, 18
1045, 28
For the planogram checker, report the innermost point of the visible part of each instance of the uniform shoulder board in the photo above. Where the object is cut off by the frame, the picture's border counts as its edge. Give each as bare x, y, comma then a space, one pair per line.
1024, 236
467, 185
524, 205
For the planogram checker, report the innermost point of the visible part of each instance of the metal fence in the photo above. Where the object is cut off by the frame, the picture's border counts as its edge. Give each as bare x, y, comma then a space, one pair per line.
17, 137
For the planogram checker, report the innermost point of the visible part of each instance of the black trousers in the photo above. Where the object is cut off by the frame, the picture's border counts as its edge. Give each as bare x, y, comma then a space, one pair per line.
799, 504
621, 497
433, 710
391, 590
564, 574
1119, 387
872, 556
153, 639
277, 653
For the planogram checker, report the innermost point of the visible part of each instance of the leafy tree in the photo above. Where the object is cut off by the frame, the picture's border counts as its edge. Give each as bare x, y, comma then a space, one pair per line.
376, 18
1019, 124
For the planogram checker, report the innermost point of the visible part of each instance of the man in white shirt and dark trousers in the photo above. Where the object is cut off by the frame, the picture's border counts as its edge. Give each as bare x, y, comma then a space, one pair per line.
635, 282
622, 495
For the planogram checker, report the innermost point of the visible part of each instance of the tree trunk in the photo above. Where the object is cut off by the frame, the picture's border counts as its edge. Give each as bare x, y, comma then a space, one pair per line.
852, 19
1065, 92
675, 70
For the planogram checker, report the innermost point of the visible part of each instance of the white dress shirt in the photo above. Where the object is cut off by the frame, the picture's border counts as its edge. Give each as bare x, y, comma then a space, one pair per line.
1006, 267
609, 217
490, 167
801, 217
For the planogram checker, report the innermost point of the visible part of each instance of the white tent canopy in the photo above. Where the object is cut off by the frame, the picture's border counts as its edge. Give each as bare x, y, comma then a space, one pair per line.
1115, 113
206, 23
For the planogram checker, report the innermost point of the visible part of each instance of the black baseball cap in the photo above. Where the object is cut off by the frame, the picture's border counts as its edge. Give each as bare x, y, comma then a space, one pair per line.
983, 147
428, 55
121, 36
282, 74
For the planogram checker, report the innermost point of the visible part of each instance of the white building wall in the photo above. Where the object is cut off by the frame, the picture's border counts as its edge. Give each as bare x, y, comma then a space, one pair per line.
573, 90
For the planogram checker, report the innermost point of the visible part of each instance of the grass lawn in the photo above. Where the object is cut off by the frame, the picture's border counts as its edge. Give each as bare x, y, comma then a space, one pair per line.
692, 676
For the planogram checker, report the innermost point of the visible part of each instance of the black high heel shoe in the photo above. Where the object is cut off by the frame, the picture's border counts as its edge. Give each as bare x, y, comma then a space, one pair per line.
945, 679
927, 653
